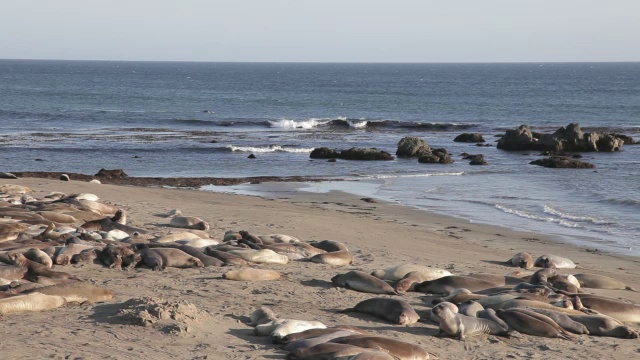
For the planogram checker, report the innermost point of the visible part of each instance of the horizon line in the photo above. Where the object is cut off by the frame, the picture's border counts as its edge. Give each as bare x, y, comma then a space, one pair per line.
327, 62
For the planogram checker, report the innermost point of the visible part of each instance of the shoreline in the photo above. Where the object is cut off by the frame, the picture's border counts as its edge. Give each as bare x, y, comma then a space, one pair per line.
379, 235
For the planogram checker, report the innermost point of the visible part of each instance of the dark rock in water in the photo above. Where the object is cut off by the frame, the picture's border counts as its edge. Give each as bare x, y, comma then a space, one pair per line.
569, 138
213, 141
255, 182
485, 145
324, 153
411, 146
369, 200
576, 156
562, 162
111, 174
5, 175
628, 140
546, 153
64, 177
470, 138
251, 156
39, 159
332, 160
365, 154
464, 154
477, 160
429, 159
136, 157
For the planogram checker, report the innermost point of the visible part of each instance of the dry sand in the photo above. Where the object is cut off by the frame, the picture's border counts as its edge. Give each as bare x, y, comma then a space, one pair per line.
379, 234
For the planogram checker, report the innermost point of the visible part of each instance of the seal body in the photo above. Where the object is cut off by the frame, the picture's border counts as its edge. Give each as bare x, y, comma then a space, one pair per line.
554, 260
337, 258
522, 260
601, 282
461, 326
177, 258
398, 272
189, 222
330, 245
532, 323
250, 274
393, 310
445, 285
264, 256
363, 282
396, 348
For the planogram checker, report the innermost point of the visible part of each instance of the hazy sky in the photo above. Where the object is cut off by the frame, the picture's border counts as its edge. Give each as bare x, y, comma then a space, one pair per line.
327, 30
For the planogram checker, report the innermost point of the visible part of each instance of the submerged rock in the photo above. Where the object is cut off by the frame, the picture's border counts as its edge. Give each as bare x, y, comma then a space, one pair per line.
562, 162
470, 138
351, 154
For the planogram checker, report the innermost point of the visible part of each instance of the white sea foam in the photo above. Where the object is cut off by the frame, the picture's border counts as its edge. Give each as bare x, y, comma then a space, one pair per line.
297, 124
526, 215
388, 176
551, 211
268, 149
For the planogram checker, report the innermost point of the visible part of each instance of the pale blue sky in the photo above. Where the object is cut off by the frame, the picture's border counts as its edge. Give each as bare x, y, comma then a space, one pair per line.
324, 31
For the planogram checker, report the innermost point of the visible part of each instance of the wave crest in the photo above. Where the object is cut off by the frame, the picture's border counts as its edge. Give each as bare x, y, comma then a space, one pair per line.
269, 149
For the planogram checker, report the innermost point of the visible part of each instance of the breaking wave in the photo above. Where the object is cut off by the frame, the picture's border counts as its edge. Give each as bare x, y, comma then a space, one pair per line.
268, 149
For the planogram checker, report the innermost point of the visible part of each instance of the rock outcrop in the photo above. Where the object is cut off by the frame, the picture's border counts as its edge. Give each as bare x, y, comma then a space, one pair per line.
476, 159
436, 156
569, 138
562, 162
412, 146
351, 154
470, 138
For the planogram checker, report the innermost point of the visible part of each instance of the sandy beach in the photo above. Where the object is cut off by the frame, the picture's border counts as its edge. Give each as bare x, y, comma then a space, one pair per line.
378, 234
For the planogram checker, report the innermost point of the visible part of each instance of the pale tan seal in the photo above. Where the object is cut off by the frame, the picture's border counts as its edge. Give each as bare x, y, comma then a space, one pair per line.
619, 310
57, 217
91, 293
264, 256
461, 326
39, 256
595, 281
295, 251
313, 333
400, 271
393, 310
34, 302
363, 282
553, 260
294, 326
337, 258
250, 274
522, 260
99, 208
175, 237
278, 239
189, 222
262, 315
177, 258
409, 281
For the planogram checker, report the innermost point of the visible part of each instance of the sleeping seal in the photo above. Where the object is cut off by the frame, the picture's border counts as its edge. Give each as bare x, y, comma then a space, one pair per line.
554, 260
363, 282
461, 326
393, 310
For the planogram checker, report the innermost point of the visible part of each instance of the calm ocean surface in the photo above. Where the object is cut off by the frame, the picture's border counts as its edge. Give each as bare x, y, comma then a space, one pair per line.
204, 119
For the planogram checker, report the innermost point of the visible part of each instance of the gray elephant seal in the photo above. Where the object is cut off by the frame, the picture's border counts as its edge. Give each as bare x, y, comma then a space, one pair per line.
363, 282
601, 282
329, 245
522, 260
312, 333
445, 285
151, 259
564, 321
461, 326
622, 311
532, 323
326, 351
177, 258
39, 256
228, 259
396, 348
337, 258
470, 308
554, 260
542, 276
605, 326
189, 222
409, 281
262, 315
393, 310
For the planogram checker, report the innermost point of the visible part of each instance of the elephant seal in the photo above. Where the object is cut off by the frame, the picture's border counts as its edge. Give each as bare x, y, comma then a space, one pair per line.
36, 270
326, 351
151, 259
227, 258
564, 321
85, 256
118, 256
398, 272
363, 282
249, 274
278, 239
177, 258
409, 281
445, 285
461, 326
601, 282
295, 251
91, 293
605, 326
39, 256
57, 217
393, 310
175, 237
34, 302
313, 341
522, 260
542, 276
264, 256
396, 348
372, 355
206, 259
336, 258
532, 323
554, 260
621, 311
293, 326
262, 315
313, 333
189, 222
559, 282
329, 245
470, 308
199, 243
12, 272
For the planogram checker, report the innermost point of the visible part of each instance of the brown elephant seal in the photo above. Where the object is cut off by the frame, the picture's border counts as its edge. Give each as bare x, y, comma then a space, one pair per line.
329, 245
227, 258
151, 259
320, 339
91, 293
36, 270
559, 282
595, 281
398, 272
542, 276
39, 256
262, 315
107, 224
177, 258
399, 349
337, 258
206, 259
445, 285
250, 274
250, 237
86, 256
605, 326
522, 260
553, 260
189, 222
12, 272
312, 333
118, 257
564, 321
470, 308
621, 311
373, 355
458, 296
57, 217
393, 310
363, 282
461, 326
326, 351
409, 281
532, 323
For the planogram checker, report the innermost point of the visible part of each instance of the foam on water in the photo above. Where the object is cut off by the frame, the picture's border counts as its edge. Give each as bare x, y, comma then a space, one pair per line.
269, 149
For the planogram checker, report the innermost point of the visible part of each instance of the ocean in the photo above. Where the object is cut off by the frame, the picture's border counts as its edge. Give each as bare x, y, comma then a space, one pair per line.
179, 119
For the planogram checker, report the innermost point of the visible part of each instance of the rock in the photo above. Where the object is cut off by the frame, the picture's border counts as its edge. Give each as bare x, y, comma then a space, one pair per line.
569, 138
470, 138
519, 139
477, 160
111, 174
609, 143
324, 153
64, 177
464, 155
4, 175
412, 146
576, 156
562, 162
365, 154
485, 145
429, 159
251, 156
628, 140
332, 160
